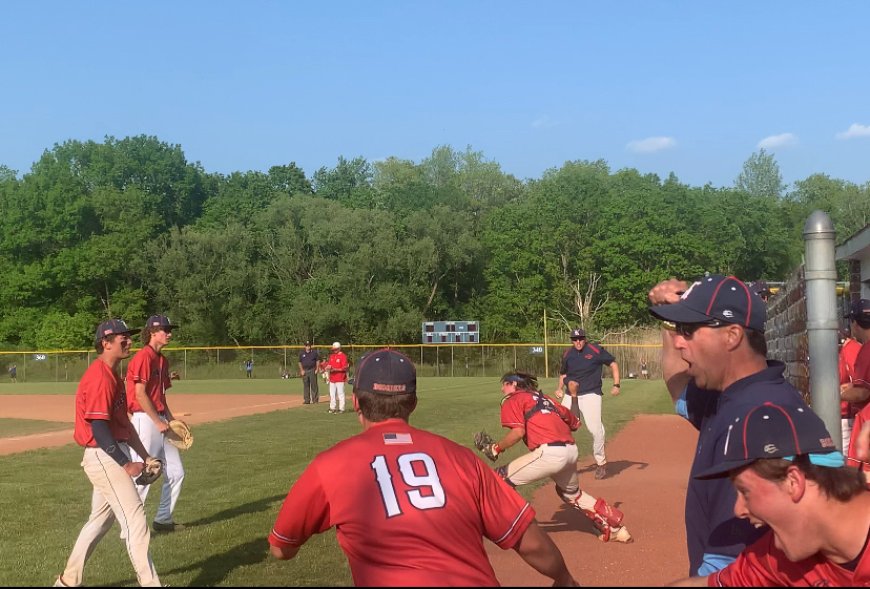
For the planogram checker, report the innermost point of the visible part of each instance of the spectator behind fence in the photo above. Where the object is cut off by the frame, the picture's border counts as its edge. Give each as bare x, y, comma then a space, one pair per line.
791, 478
856, 392
410, 508
714, 364
850, 346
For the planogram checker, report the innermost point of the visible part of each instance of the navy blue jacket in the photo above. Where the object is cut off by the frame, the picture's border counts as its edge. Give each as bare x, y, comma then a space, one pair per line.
585, 366
711, 527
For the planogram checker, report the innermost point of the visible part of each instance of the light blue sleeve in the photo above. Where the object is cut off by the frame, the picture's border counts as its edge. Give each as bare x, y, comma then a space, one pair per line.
713, 563
681, 407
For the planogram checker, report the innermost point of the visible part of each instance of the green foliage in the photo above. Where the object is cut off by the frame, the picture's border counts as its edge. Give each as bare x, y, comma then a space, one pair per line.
366, 251
761, 176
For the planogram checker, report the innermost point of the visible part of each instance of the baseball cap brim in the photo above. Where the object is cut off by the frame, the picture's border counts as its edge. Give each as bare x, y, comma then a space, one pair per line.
723, 469
678, 313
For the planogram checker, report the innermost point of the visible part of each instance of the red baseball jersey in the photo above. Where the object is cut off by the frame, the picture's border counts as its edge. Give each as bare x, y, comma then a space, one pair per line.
100, 395
861, 418
764, 565
150, 367
862, 374
553, 423
338, 362
847, 358
410, 508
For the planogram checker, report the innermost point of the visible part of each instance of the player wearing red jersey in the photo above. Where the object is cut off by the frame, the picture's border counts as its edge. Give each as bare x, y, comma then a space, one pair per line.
545, 427
336, 367
411, 508
147, 381
789, 475
104, 429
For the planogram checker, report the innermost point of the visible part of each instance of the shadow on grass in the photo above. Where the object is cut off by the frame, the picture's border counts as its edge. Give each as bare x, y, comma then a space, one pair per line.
253, 507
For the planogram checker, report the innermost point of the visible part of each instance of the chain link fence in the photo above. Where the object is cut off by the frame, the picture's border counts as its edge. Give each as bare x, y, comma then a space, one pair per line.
486, 360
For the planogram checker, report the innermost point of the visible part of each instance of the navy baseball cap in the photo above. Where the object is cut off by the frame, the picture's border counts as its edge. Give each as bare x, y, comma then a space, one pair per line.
775, 431
860, 309
725, 298
112, 327
161, 321
308, 343
386, 372
578, 334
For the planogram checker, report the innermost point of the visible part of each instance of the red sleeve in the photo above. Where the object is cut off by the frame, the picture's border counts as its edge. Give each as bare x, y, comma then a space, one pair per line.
100, 400
506, 515
305, 512
139, 368
862, 367
512, 412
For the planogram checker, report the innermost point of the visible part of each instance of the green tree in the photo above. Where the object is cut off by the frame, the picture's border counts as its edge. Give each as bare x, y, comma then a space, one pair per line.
761, 176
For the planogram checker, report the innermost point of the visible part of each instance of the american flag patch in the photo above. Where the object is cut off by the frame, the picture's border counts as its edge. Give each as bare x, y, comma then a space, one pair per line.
393, 439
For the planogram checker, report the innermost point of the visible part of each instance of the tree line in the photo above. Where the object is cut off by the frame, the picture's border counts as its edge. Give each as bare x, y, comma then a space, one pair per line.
366, 251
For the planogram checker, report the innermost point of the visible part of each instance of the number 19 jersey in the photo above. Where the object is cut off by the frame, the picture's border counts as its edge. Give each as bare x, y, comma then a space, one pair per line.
410, 508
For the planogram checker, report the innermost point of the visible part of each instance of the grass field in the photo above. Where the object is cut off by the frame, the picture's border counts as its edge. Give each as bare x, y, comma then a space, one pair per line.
238, 473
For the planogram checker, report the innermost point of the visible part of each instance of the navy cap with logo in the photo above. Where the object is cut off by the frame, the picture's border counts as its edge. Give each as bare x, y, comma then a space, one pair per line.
161, 321
775, 431
386, 372
307, 344
578, 334
112, 327
724, 298
859, 310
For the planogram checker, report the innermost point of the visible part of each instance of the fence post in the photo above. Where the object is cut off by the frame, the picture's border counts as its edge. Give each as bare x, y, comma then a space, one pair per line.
820, 274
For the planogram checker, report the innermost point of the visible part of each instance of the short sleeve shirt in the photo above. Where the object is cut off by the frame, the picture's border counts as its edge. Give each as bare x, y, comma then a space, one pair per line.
151, 368
100, 395
553, 423
338, 363
410, 508
585, 366
309, 359
765, 565
711, 527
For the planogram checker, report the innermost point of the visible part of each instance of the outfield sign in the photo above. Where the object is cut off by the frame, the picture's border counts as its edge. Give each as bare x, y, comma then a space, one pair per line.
536, 350
450, 332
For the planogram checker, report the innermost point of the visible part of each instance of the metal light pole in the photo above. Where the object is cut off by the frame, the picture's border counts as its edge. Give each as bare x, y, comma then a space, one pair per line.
820, 273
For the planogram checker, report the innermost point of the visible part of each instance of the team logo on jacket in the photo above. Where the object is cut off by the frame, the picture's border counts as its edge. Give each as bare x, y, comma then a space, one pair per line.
588, 356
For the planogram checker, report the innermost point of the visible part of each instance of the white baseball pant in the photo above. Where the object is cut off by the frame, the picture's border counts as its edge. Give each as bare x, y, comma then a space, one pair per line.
590, 408
173, 474
114, 498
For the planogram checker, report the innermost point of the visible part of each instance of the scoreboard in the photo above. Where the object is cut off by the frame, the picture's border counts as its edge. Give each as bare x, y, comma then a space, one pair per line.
450, 332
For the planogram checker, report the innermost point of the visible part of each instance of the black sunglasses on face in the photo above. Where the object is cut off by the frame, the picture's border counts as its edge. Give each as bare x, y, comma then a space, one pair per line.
687, 330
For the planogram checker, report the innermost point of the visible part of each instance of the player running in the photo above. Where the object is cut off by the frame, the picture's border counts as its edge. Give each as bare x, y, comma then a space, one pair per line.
545, 427
411, 508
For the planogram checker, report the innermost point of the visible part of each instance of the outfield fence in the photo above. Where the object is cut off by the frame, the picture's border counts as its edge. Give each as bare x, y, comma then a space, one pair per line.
228, 362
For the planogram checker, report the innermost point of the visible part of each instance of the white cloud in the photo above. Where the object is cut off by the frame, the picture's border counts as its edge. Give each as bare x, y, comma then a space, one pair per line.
855, 130
781, 140
651, 144
543, 122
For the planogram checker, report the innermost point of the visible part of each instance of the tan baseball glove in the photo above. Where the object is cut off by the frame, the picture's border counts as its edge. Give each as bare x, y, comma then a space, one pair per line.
179, 434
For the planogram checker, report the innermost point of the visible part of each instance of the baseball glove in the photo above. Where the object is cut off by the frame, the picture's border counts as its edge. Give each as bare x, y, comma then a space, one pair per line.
179, 434
152, 471
484, 442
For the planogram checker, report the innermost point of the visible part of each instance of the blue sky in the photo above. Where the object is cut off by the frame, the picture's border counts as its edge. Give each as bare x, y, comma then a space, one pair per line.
688, 87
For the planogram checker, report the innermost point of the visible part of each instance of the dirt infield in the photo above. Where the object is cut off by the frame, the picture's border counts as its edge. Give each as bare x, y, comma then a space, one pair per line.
648, 466
648, 469
191, 408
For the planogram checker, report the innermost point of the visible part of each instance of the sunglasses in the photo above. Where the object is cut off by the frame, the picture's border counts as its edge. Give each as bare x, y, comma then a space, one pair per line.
687, 330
